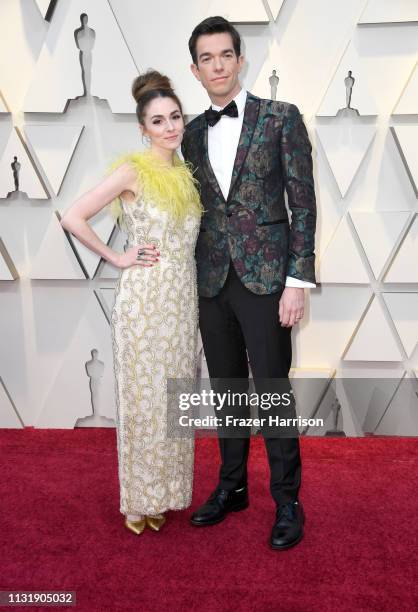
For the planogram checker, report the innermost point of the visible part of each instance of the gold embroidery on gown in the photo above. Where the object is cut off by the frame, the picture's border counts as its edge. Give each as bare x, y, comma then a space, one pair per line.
154, 327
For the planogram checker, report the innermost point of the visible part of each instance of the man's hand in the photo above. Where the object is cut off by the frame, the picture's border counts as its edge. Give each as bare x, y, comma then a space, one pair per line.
291, 306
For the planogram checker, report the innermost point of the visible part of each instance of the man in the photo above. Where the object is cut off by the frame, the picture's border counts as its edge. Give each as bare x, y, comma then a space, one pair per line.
252, 266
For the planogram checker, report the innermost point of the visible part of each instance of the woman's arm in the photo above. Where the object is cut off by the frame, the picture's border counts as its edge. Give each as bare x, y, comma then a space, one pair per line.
75, 218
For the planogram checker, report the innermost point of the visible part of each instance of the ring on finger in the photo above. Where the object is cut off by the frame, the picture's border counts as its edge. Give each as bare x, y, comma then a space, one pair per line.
140, 253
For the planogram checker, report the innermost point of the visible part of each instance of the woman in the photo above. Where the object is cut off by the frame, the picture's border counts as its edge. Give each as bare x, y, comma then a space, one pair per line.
154, 318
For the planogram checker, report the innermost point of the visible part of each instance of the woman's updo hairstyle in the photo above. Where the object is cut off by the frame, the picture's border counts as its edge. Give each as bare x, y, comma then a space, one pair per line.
152, 84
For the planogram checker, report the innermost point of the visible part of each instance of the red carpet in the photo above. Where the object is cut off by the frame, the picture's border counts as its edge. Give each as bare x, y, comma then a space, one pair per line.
61, 530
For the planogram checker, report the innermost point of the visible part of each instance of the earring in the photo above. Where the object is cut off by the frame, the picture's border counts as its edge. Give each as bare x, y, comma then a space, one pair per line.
146, 140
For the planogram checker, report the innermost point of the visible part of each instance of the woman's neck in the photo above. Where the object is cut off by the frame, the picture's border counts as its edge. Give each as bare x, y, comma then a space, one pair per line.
164, 155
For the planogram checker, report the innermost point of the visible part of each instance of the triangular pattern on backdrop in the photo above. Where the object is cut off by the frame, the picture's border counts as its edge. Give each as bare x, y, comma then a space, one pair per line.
72, 378
275, 6
55, 258
345, 146
408, 100
388, 225
238, 12
374, 339
403, 268
8, 270
57, 75
53, 146
335, 96
106, 299
341, 261
3, 106
336, 416
403, 308
380, 399
388, 11
45, 6
29, 181
369, 390
309, 386
9, 416
406, 139
401, 416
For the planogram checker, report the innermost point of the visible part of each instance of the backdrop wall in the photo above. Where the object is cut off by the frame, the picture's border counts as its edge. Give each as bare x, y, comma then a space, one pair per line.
65, 125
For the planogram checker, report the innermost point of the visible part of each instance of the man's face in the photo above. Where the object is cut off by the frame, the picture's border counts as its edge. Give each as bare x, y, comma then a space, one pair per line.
217, 65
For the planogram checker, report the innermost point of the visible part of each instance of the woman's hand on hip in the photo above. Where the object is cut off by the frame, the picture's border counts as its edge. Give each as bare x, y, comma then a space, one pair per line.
145, 255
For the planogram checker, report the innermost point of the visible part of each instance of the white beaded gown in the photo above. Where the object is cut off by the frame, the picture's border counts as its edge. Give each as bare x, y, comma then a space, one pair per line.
154, 325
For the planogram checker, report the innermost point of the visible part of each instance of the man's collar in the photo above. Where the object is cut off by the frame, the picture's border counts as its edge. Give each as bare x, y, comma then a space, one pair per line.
240, 100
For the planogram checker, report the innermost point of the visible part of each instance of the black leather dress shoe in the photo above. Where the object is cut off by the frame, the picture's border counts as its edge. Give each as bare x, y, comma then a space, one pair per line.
218, 505
288, 527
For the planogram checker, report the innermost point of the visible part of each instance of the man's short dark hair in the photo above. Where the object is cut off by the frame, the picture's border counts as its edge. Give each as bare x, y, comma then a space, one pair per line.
214, 25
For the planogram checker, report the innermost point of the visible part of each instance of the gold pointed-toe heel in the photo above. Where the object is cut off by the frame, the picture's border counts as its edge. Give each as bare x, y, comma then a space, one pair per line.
136, 527
155, 522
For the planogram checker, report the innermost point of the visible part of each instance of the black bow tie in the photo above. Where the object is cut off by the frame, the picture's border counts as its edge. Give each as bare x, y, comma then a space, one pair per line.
213, 116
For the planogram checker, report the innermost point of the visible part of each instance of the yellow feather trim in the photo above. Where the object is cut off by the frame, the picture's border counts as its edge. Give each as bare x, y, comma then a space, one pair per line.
170, 188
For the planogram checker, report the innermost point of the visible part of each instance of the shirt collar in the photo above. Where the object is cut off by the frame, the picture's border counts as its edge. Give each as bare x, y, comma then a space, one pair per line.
240, 100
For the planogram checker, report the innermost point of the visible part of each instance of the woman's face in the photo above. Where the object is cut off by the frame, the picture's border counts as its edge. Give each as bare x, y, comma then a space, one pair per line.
163, 123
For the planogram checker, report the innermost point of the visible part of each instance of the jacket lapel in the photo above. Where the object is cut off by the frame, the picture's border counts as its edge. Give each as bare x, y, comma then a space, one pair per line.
252, 108
206, 165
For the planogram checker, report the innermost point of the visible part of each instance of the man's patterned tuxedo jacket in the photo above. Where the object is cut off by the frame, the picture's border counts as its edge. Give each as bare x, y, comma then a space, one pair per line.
251, 226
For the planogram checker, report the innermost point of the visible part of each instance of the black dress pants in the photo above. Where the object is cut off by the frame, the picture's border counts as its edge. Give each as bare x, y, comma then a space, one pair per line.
231, 323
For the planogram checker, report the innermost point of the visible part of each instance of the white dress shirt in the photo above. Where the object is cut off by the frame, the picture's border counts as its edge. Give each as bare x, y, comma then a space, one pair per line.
223, 138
